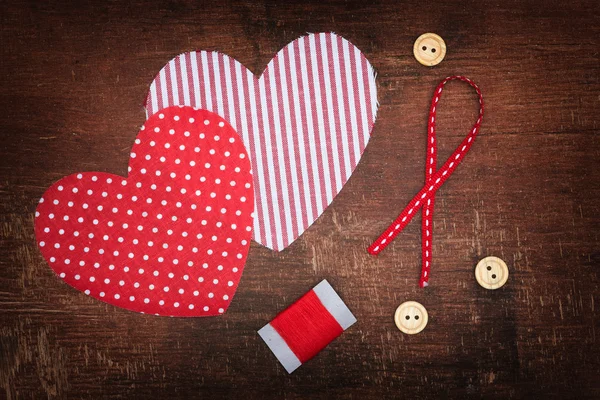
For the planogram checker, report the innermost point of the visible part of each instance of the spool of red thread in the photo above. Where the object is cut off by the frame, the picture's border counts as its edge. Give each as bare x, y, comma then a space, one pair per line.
302, 330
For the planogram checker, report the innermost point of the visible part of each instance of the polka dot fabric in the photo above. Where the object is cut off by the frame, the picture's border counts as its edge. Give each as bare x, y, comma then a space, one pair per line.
172, 238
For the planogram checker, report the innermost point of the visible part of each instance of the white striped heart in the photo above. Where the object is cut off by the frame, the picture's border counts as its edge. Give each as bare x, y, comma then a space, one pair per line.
305, 122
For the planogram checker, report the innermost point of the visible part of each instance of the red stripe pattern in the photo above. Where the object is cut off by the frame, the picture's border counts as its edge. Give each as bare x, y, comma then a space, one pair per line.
305, 122
433, 181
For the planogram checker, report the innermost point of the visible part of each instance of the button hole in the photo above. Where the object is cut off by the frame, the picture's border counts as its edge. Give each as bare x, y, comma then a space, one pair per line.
493, 276
424, 48
433, 50
407, 317
416, 317
489, 268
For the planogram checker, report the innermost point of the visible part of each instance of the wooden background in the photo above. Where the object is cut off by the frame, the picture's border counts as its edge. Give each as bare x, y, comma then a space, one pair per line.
73, 79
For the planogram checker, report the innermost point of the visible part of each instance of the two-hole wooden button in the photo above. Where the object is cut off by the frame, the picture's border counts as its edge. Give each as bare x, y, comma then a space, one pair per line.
411, 317
429, 49
491, 273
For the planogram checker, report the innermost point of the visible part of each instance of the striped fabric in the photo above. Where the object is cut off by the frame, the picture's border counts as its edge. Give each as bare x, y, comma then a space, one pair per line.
305, 122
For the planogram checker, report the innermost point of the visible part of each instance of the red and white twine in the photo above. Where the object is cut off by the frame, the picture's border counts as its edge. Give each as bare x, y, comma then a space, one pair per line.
434, 179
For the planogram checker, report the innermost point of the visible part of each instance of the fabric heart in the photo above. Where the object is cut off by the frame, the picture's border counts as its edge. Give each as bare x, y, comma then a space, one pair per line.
173, 237
305, 122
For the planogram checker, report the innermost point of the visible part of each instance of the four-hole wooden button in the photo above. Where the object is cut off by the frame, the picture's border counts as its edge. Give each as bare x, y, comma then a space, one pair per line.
491, 272
411, 317
429, 49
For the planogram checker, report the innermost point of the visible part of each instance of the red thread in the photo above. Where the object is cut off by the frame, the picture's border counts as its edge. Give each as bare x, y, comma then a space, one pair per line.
433, 181
306, 326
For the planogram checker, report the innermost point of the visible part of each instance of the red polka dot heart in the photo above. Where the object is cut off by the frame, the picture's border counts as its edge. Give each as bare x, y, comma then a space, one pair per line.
170, 239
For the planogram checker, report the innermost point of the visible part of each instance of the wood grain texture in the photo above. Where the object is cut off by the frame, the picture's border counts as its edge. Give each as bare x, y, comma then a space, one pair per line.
72, 82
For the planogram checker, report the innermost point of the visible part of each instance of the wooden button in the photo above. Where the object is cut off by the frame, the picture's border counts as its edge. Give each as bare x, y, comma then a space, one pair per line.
411, 317
491, 273
429, 49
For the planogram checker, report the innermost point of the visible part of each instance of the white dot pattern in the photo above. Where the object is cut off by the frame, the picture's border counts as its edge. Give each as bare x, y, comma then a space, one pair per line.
156, 242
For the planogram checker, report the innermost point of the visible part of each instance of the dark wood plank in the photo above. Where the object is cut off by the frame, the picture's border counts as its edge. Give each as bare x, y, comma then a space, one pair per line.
72, 84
